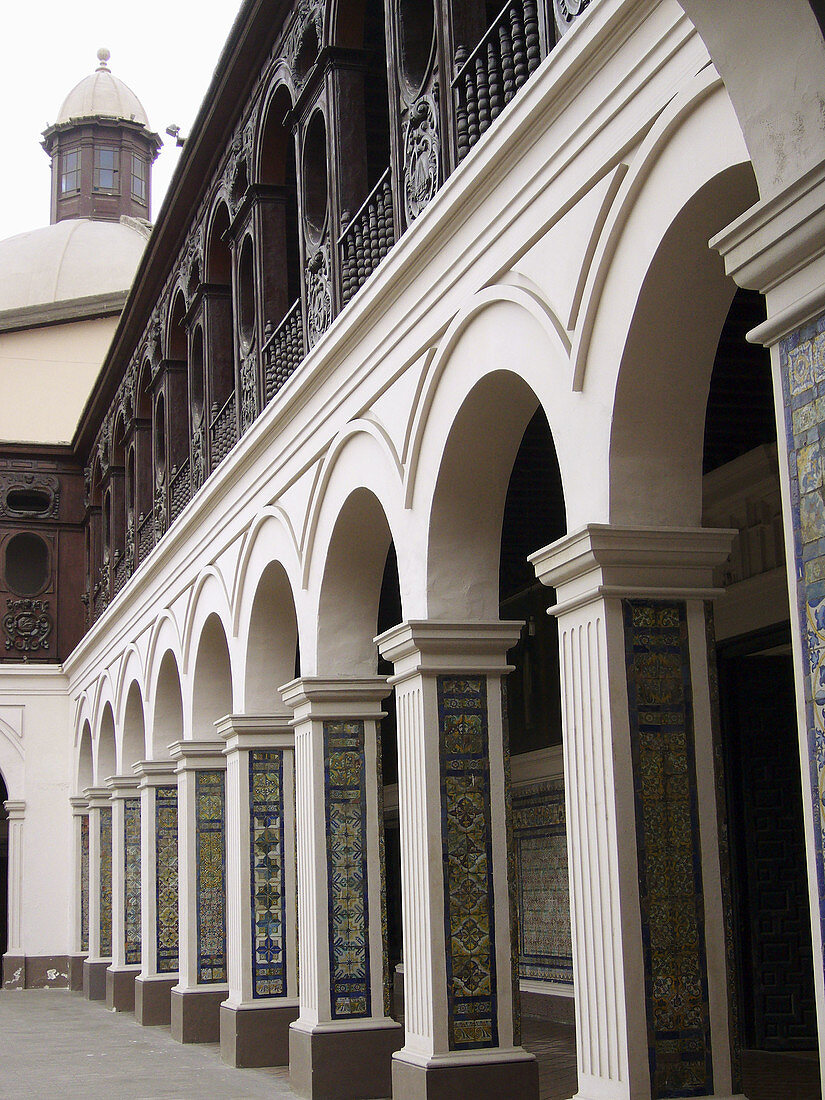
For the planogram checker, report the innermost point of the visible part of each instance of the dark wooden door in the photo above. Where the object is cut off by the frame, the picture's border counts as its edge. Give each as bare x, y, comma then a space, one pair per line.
777, 1009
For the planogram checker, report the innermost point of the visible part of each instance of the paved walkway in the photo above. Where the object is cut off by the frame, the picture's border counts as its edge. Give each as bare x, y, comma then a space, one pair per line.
58, 1045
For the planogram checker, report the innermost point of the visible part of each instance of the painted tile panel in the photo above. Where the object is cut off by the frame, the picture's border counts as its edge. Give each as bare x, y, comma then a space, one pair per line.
346, 821
268, 888
802, 367
166, 878
84, 883
211, 876
466, 836
667, 838
131, 876
105, 883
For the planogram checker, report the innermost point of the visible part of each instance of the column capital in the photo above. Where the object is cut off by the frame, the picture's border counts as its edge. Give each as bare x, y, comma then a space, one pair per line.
99, 798
122, 786
601, 560
432, 646
766, 247
15, 810
336, 699
256, 731
197, 755
79, 806
154, 773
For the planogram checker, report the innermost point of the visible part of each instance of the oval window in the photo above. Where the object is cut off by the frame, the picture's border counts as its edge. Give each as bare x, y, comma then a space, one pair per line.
32, 501
27, 564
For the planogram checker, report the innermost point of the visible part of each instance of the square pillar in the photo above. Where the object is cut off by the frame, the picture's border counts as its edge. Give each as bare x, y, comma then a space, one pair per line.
342, 1042
158, 788
262, 919
14, 960
652, 958
202, 982
121, 975
460, 980
100, 893
80, 895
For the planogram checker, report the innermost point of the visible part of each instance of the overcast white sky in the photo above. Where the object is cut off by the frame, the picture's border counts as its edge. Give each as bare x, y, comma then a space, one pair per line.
165, 50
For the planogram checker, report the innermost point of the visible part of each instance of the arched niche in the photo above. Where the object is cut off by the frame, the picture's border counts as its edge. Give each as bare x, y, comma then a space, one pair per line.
167, 718
85, 765
133, 747
211, 680
272, 657
106, 747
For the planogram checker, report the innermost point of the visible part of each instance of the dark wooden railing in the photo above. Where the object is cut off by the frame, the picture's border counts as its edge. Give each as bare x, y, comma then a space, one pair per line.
180, 489
122, 572
367, 238
487, 79
283, 351
223, 431
146, 537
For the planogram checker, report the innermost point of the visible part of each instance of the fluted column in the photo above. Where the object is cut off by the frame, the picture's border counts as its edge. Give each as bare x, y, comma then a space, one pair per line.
202, 983
121, 975
650, 957
260, 887
158, 787
14, 960
342, 1042
462, 1033
79, 915
100, 893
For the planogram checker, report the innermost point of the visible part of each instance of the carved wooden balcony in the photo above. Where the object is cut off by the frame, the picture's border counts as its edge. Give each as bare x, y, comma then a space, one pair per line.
367, 238
283, 351
223, 430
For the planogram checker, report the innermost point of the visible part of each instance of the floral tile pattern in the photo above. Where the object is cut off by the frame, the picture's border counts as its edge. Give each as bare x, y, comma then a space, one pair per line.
466, 838
166, 878
346, 813
131, 876
540, 838
84, 882
667, 837
266, 827
802, 366
211, 872
105, 883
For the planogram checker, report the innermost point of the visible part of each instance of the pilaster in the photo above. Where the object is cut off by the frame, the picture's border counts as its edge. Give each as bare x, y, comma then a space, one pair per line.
202, 983
100, 893
651, 964
778, 248
342, 1042
461, 1018
158, 788
262, 948
79, 914
14, 959
121, 975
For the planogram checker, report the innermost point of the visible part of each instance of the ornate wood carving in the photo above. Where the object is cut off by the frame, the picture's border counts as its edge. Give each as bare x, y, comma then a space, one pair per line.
160, 511
422, 152
27, 624
319, 295
42, 483
566, 11
249, 388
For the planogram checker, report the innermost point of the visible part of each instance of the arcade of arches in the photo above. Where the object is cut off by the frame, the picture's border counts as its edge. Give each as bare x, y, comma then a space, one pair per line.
454, 565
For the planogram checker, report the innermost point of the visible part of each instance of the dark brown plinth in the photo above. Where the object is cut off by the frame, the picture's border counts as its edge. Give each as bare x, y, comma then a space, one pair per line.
47, 972
252, 1037
343, 1065
14, 971
480, 1081
94, 979
120, 990
548, 1006
75, 968
196, 1016
153, 1000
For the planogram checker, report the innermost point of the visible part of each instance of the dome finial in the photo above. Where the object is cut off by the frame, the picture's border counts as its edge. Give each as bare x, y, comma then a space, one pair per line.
103, 56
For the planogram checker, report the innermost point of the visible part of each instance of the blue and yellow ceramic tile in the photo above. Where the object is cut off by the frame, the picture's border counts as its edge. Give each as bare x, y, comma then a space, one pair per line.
105, 883
166, 878
211, 876
131, 875
266, 826
84, 882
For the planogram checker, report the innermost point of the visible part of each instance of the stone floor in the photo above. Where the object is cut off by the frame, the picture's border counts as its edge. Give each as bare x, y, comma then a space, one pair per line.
57, 1045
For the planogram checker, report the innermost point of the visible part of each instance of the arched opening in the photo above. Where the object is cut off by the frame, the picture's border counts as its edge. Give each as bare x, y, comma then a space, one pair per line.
219, 339
167, 721
272, 656
499, 497
85, 767
212, 681
134, 734
246, 293
159, 433
177, 330
280, 250
106, 748
315, 179
196, 387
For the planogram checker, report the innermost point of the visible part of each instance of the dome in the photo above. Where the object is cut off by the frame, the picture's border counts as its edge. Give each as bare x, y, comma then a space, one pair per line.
76, 258
102, 95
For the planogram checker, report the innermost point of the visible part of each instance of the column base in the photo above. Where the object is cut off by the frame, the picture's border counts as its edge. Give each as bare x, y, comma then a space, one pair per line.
196, 1014
75, 969
120, 989
449, 1079
94, 979
153, 1000
343, 1063
253, 1036
35, 971
14, 972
